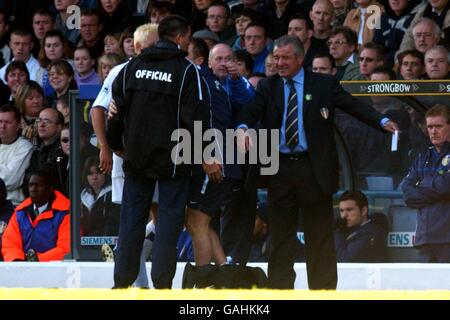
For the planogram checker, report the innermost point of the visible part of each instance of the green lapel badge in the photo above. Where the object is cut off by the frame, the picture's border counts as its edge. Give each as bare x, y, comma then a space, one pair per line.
308, 97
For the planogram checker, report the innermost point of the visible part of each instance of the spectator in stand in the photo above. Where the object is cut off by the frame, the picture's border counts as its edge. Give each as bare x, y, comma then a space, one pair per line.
301, 27
99, 215
15, 153
324, 63
343, 45
127, 43
61, 22
371, 57
255, 44
62, 161
199, 14
106, 63
271, 65
16, 75
61, 77
39, 229
426, 188
19, 12
115, 15
358, 236
241, 21
357, 20
411, 65
62, 105
395, 20
112, 44
341, 8
6, 211
55, 48
437, 11
322, 15
30, 101
84, 67
43, 22
208, 36
90, 32
279, 12
245, 63
217, 18
5, 51
158, 10
437, 65
425, 34
21, 43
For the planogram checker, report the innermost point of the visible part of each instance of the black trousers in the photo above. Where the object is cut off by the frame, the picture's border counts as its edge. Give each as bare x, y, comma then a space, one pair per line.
292, 190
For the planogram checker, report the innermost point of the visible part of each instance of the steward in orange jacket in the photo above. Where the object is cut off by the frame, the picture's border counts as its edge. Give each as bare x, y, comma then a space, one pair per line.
39, 229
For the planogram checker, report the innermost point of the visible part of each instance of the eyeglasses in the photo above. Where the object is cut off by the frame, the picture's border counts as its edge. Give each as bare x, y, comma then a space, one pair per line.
65, 139
212, 17
337, 42
423, 34
45, 121
362, 59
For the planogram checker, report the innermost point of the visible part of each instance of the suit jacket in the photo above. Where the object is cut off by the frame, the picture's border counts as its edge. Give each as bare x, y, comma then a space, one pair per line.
320, 91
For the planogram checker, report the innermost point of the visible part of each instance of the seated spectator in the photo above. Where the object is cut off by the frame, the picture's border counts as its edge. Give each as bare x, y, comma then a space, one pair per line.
62, 162
112, 44
61, 77
358, 236
394, 22
322, 15
411, 65
341, 8
21, 44
115, 15
208, 36
241, 20
436, 11
343, 45
54, 48
62, 105
425, 34
6, 211
16, 75
84, 67
199, 13
271, 65
90, 32
158, 10
127, 43
437, 65
324, 63
39, 229
15, 152
61, 22
371, 57
99, 216
426, 188
278, 15
30, 101
245, 63
106, 63
5, 51
357, 20
255, 43
218, 15
43, 21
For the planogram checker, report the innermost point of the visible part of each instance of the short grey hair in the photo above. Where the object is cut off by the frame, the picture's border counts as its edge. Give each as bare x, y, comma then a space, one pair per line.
441, 49
287, 40
436, 29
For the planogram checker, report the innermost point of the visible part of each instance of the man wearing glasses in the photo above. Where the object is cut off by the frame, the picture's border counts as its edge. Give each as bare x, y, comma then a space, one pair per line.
217, 21
342, 45
49, 125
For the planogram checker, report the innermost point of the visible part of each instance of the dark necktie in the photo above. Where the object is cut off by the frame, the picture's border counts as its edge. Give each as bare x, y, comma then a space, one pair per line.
291, 125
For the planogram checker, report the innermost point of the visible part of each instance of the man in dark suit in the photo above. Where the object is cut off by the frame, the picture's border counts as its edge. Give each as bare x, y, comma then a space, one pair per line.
302, 105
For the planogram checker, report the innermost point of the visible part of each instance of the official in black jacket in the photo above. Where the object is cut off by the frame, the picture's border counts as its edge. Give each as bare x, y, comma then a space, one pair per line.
156, 93
302, 105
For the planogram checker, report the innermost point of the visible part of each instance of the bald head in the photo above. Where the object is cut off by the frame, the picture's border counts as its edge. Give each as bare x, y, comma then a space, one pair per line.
50, 124
322, 14
219, 56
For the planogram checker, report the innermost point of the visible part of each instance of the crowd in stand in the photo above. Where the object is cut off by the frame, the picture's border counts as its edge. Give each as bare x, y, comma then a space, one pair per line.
44, 54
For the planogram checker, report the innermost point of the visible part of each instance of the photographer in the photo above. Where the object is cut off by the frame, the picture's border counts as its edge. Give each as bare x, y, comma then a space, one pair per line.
358, 237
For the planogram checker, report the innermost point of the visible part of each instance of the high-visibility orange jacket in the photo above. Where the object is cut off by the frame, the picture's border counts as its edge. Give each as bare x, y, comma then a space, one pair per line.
48, 234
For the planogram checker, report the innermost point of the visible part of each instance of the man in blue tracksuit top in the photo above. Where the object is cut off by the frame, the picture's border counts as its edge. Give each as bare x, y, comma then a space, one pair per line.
427, 188
228, 93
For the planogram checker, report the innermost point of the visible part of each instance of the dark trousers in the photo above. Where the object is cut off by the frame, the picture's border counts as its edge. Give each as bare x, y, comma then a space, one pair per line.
435, 253
292, 190
136, 202
237, 222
